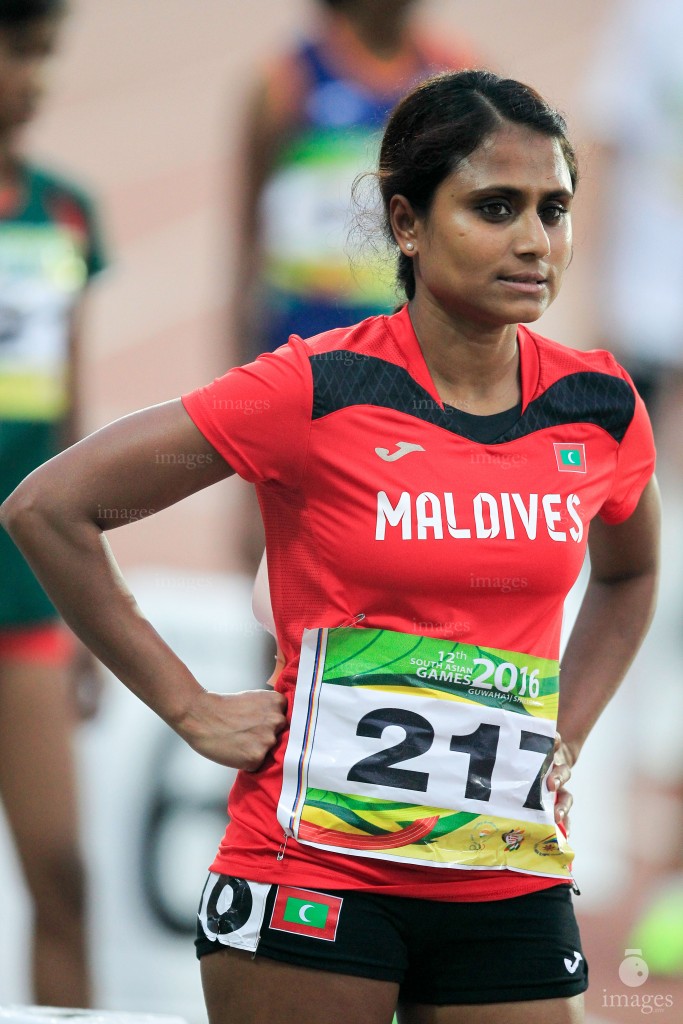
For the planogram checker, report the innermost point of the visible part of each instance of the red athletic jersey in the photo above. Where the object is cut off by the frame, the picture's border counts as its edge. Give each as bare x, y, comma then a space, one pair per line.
375, 502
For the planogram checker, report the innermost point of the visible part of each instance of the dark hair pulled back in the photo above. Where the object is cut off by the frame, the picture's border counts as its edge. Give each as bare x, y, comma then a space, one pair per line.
17, 12
440, 123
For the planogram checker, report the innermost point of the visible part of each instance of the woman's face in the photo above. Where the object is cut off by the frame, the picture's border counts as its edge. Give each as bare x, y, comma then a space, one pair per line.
497, 239
24, 51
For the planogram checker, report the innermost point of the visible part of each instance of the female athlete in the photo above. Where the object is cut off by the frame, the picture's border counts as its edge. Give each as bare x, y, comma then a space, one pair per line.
428, 481
50, 253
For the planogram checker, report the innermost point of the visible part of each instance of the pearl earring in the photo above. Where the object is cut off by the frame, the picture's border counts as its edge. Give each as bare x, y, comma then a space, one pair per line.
409, 246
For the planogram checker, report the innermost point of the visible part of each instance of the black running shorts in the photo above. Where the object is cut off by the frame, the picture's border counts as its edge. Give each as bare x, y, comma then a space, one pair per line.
509, 950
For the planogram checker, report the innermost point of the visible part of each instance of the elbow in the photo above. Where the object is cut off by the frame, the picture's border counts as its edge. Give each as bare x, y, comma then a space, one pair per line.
11, 510
46, 504
635, 592
646, 586
5, 514
32, 508
19, 510
42, 517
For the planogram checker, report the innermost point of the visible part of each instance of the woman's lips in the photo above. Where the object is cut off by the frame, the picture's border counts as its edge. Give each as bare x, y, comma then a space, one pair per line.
526, 284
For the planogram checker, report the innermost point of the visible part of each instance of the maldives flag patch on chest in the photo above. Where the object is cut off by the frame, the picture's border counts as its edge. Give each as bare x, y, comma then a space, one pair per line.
306, 913
571, 458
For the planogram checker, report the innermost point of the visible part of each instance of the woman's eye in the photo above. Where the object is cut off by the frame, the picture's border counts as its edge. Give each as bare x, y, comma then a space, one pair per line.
495, 210
554, 213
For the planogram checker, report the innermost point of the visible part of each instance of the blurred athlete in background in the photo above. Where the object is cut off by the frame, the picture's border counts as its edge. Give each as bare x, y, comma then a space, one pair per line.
49, 250
313, 125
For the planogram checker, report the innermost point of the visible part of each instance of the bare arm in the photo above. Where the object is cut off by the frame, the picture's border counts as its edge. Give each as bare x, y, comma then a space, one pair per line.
58, 516
613, 619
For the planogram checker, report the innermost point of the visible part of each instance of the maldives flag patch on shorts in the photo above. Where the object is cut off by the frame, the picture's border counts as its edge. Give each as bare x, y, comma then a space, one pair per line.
571, 458
304, 912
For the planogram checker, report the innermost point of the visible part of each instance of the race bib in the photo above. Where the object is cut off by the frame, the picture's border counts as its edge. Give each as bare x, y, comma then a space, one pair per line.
41, 273
423, 751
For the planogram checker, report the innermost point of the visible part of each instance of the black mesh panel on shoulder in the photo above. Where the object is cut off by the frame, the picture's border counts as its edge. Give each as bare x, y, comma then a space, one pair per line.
343, 379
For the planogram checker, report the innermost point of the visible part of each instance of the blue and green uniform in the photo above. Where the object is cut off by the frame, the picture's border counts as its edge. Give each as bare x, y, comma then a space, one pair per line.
311, 281
49, 249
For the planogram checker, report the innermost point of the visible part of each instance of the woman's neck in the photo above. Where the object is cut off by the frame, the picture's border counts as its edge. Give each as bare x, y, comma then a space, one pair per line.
473, 369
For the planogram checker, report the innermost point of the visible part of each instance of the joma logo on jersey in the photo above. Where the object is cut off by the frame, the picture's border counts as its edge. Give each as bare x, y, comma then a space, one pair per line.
509, 515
